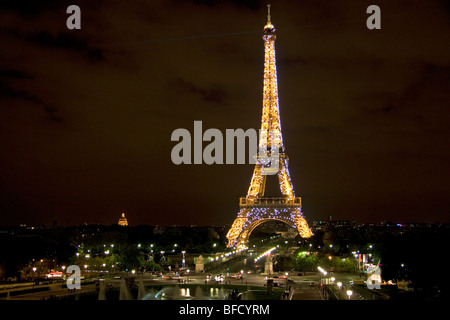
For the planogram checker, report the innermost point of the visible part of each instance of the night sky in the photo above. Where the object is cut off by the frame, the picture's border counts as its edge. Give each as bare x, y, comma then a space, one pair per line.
86, 116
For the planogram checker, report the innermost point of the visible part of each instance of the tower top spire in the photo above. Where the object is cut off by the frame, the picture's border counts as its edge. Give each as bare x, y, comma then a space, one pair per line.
269, 26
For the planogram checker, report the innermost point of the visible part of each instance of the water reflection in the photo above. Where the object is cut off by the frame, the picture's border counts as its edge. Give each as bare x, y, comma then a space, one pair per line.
189, 293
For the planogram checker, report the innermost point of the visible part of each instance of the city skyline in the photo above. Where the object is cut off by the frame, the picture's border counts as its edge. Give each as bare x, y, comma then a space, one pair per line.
87, 115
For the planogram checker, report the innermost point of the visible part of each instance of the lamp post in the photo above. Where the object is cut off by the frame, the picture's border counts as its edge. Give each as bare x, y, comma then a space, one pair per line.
34, 276
349, 293
183, 262
339, 284
162, 257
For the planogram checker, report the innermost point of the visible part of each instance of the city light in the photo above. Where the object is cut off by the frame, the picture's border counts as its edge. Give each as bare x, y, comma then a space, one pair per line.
265, 254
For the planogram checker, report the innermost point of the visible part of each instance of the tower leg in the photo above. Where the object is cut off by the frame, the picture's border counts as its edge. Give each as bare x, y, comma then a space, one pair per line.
236, 229
301, 224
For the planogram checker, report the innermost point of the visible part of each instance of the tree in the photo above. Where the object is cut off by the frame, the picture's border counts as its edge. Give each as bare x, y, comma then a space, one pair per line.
131, 258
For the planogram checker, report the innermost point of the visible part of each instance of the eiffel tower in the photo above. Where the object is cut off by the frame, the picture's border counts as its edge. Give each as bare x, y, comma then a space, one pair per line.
256, 209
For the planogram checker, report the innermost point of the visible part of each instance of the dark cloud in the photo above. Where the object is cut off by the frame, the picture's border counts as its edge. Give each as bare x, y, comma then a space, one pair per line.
214, 93
16, 74
67, 41
251, 4
30, 8
8, 92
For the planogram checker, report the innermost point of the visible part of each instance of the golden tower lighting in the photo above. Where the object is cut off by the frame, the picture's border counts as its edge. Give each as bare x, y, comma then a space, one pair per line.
255, 209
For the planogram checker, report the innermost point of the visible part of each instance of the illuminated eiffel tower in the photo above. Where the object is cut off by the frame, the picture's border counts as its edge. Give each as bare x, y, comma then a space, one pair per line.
255, 209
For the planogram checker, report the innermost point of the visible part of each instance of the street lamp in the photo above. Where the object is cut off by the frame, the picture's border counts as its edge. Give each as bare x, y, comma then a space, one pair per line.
349, 293
183, 261
324, 273
339, 284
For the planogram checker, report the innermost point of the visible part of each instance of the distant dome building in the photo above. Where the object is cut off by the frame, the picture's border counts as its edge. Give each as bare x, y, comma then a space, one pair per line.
123, 221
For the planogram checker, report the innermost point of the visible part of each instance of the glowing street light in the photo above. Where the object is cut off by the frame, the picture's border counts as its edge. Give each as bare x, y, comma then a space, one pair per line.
324, 274
322, 270
349, 293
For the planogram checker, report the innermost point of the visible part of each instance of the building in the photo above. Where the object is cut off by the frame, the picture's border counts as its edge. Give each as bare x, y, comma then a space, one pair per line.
123, 221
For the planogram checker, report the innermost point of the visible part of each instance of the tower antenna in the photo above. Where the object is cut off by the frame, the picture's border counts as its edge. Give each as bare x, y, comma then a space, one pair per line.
268, 14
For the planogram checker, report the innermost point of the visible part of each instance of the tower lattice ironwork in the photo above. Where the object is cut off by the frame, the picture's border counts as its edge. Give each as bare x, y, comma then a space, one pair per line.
256, 209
